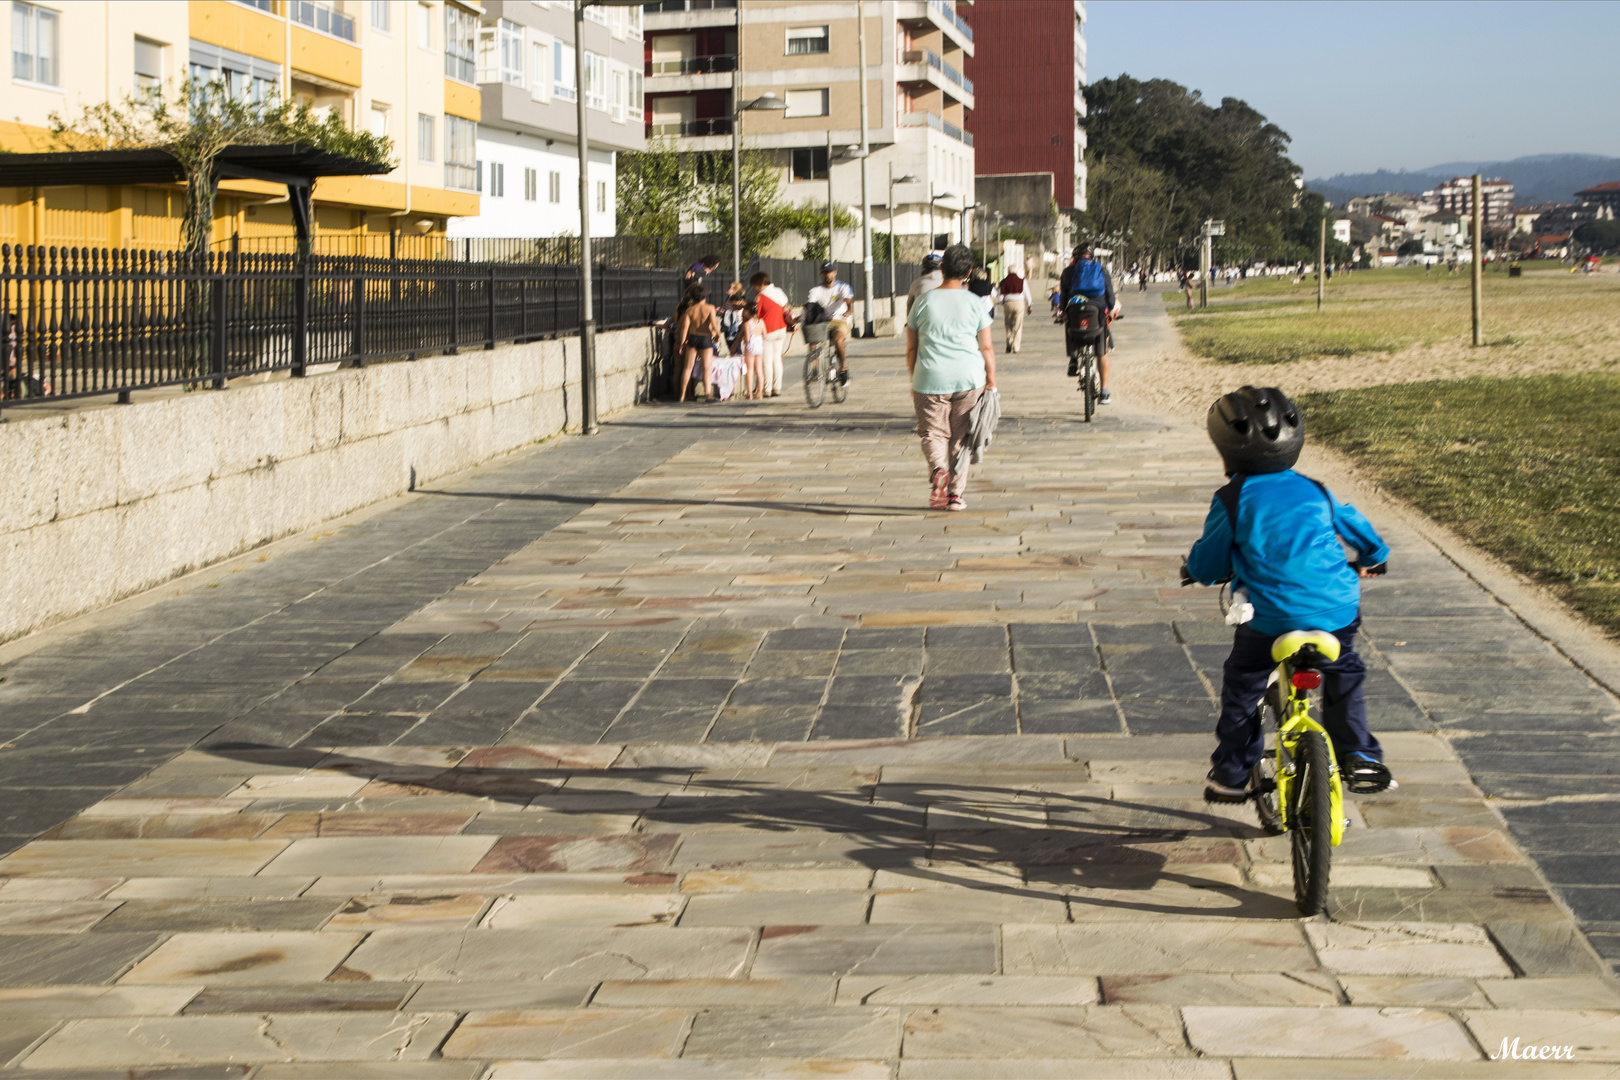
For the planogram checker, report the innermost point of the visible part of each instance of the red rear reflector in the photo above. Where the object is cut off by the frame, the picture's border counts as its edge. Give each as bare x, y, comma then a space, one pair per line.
1307, 680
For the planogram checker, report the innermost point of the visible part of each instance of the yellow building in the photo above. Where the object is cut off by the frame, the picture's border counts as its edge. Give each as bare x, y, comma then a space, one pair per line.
402, 68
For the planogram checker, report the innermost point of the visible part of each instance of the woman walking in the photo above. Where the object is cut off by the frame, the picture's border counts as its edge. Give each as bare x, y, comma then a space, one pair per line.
774, 310
952, 362
698, 328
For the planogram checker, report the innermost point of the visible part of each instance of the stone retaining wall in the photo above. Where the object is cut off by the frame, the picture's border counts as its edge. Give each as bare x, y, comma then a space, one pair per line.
105, 502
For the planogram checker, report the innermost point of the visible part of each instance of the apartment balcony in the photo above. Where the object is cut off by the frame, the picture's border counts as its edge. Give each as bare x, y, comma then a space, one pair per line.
690, 74
926, 65
692, 65
322, 19
687, 14
690, 129
938, 14
938, 123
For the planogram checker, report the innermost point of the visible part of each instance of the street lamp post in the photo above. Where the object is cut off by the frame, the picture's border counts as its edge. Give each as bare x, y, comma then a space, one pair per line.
587, 306
866, 199
908, 178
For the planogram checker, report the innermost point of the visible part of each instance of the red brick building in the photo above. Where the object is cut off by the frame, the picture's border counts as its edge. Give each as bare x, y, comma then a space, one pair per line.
1028, 69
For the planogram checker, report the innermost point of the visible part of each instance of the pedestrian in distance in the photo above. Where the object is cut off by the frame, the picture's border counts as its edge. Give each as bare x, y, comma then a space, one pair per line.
697, 330
979, 285
929, 279
700, 270
952, 362
731, 316
1012, 292
837, 302
779, 323
1276, 535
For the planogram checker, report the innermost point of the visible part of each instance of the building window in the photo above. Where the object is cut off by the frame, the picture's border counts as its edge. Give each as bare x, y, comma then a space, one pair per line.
554, 188
806, 103
479, 169
379, 120
460, 153
633, 24
424, 137
244, 77
382, 15
597, 14
497, 181
531, 185
562, 71
148, 67
540, 69
424, 26
511, 52
595, 80
601, 196
34, 44
802, 40
636, 96
460, 45
810, 163
618, 90
262, 5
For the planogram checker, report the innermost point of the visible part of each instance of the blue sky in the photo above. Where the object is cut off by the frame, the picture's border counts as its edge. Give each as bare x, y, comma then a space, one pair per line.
1363, 86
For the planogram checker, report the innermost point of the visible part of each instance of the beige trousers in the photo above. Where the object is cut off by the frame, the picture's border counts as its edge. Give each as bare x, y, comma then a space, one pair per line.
771, 365
942, 424
1013, 312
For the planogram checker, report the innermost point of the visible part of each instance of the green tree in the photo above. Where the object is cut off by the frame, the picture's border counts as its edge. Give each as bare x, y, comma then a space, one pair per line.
811, 222
1599, 235
196, 125
655, 191
763, 216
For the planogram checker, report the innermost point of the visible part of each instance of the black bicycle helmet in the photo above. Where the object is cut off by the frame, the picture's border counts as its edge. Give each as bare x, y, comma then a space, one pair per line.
1257, 430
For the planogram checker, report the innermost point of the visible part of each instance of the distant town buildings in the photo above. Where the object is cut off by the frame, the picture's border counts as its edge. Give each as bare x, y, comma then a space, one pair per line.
1604, 198
1456, 196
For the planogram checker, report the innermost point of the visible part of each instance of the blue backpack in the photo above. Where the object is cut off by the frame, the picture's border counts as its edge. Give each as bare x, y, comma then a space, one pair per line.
1093, 278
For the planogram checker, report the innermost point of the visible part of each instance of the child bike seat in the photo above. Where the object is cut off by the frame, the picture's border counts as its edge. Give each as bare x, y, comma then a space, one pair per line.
1295, 640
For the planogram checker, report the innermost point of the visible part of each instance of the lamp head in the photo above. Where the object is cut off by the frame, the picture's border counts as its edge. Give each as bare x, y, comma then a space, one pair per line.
909, 178
766, 102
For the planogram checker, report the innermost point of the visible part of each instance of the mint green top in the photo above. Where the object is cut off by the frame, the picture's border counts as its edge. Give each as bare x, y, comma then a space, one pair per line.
948, 322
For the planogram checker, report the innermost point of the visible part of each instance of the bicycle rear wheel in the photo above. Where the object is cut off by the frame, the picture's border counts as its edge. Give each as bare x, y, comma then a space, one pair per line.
1088, 382
1310, 822
815, 378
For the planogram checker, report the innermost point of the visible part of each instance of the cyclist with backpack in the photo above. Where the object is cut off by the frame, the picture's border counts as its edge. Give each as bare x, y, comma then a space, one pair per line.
1085, 281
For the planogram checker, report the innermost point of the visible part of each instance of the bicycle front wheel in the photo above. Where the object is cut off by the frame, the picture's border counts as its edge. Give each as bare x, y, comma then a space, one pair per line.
839, 390
1310, 822
815, 378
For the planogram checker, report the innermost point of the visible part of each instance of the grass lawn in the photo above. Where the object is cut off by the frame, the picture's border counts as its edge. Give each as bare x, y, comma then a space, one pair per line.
1272, 320
1526, 468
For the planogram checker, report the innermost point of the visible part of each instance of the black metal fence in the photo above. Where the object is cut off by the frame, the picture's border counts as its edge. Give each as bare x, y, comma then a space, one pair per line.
81, 321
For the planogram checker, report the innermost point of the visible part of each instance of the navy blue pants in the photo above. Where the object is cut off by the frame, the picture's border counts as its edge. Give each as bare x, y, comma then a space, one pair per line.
1243, 685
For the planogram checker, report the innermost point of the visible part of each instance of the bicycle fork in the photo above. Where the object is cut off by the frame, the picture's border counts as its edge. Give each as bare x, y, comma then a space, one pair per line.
1296, 724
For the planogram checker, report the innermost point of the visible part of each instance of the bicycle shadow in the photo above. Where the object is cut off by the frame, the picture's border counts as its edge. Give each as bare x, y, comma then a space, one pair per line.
1096, 853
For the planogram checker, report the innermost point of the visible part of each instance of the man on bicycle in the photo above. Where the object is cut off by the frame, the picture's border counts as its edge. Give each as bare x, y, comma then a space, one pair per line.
836, 300
1084, 279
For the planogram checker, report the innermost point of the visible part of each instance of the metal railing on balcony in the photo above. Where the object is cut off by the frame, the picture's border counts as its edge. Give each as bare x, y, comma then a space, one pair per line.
938, 123
321, 18
693, 65
951, 17
933, 60
688, 5
691, 128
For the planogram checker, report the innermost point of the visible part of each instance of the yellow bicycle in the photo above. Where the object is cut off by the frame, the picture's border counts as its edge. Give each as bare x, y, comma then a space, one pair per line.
1298, 789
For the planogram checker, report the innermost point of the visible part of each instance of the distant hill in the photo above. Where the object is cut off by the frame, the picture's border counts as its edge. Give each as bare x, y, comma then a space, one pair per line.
1537, 178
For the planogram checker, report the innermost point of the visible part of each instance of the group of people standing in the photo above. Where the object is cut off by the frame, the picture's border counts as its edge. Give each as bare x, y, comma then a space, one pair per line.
751, 329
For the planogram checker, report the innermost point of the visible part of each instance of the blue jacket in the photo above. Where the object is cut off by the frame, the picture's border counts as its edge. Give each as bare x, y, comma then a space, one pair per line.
1278, 535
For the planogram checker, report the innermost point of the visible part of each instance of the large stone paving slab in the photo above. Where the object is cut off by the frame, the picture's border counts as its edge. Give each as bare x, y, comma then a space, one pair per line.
720, 756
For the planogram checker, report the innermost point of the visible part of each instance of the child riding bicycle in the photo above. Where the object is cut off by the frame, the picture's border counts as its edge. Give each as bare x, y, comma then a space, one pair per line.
1276, 535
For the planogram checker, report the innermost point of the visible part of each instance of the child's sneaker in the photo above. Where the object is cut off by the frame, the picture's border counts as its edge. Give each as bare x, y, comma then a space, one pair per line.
1215, 791
1366, 775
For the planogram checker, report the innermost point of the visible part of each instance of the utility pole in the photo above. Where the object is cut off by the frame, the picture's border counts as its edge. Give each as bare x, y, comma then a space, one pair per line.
736, 154
866, 196
1321, 265
830, 235
1479, 265
587, 320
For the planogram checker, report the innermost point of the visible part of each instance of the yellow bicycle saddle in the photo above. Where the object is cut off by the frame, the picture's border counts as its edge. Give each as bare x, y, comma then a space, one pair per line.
1295, 640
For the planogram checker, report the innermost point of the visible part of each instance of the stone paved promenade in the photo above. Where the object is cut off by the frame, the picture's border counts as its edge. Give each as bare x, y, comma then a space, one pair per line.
698, 749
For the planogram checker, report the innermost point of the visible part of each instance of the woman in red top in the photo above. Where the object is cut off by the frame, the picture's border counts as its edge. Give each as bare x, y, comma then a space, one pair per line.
773, 308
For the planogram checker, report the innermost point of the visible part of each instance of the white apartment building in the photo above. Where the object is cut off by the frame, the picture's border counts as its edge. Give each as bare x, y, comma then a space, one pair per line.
704, 55
528, 156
